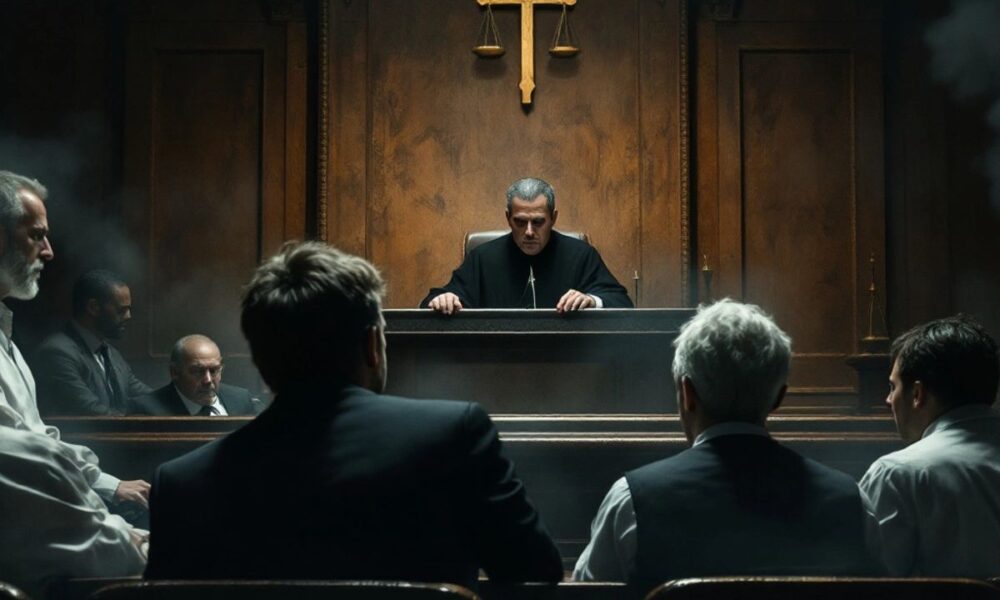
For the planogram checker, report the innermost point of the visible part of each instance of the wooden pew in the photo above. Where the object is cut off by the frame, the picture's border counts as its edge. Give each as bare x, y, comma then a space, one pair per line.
567, 462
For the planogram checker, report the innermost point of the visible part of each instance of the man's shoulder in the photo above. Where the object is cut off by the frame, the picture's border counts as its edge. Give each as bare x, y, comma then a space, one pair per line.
155, 403
60, 341
425, 407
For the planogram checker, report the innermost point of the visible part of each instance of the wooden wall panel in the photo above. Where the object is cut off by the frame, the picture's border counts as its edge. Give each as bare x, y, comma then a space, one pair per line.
215, 169
447, 135
797, 189
202, 178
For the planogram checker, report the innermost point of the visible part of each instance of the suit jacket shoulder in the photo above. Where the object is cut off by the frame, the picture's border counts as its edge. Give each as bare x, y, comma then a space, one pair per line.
359, 486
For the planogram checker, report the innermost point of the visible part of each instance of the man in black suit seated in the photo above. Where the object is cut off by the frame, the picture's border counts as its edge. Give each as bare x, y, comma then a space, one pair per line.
736, 502
78, 371
196, 388
335, 480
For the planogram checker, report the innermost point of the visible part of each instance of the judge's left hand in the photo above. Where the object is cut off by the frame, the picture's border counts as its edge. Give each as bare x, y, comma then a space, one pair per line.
574, 300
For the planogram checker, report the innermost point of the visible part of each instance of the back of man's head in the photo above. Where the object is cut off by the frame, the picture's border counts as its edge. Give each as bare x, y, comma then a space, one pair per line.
307, 311
528, 189
736, 358
98, 284
11, 205
954, 358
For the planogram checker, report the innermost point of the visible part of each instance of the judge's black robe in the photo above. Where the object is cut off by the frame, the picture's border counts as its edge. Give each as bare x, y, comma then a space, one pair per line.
495, 275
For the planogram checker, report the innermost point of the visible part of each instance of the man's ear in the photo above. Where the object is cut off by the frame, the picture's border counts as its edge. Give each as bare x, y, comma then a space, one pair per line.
555, 215
918, 395
689, 395
93, 307
780, 398
174, 373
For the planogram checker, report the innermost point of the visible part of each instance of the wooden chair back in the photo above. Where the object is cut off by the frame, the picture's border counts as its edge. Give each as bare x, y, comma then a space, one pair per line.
823, 588
283, 590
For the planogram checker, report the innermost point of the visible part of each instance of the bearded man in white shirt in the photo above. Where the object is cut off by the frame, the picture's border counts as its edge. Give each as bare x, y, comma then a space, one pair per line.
938, 500
84, 525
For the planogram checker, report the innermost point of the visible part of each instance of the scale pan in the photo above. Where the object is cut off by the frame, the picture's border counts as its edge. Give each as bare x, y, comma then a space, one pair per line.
489, 50
563, 51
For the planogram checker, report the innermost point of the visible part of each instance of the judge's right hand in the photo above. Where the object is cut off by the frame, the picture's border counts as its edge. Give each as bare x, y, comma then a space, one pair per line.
447, 303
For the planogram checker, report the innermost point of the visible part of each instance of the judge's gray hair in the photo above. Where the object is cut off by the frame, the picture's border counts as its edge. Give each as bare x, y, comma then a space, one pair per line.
530, 188
737, 359
306, 311
11, 206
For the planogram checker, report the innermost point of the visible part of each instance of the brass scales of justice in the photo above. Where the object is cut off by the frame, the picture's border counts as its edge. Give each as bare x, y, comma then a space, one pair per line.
489, 44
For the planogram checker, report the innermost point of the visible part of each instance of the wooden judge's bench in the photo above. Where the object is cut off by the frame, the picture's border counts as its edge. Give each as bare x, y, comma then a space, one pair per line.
578, 400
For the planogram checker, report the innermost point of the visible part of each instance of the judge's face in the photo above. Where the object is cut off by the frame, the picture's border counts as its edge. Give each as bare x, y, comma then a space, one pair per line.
531, 224
199, 372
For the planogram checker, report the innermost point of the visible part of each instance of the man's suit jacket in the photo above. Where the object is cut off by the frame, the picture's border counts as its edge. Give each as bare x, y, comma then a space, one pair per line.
745, 505
71, 382
166, 402
332, 483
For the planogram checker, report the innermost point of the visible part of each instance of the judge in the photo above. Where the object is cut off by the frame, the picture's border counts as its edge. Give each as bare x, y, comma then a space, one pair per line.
533, 266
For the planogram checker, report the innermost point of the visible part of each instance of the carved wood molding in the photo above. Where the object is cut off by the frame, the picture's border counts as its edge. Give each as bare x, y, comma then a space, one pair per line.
685, 146
281, 11
718, 10
323, 138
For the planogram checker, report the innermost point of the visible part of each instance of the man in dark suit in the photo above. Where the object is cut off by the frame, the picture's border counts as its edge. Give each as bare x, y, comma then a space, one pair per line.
196, 388
736, 502
78, 371
335, 480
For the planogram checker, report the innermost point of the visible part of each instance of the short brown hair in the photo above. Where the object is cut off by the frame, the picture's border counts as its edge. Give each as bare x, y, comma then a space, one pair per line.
306, 311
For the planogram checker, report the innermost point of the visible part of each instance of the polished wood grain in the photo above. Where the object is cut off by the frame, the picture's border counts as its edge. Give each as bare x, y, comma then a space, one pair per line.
794, 137
215, 172
444, 140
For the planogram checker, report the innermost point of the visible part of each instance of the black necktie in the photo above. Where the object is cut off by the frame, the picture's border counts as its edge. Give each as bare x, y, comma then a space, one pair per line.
206, 411
109, 377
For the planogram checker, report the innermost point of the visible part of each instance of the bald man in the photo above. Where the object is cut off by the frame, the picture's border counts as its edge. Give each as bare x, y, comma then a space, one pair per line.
196, 388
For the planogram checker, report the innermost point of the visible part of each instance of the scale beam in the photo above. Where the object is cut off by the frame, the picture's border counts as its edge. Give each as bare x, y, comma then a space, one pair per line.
527, 84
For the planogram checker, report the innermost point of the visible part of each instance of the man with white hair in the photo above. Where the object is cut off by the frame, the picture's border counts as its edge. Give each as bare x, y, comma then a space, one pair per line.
53, 524
736, 502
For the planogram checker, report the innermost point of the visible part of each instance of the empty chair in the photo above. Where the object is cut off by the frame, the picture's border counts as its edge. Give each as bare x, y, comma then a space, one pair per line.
282, 590
823, 588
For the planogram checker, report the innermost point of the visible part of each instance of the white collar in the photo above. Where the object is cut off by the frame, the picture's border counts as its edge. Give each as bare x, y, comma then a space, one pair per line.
194, 408
729, 428
957, 415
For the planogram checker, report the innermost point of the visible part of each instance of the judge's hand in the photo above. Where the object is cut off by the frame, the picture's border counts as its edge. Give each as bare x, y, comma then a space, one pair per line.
133, 491
574, 300
447, 303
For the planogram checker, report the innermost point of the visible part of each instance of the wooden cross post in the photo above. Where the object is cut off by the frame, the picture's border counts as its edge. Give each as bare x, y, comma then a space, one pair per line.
527, 84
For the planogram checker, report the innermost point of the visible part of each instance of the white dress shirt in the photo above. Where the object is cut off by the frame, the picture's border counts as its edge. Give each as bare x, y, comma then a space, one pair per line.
52, 524
19, 408
610, 555
218, 410
937, 501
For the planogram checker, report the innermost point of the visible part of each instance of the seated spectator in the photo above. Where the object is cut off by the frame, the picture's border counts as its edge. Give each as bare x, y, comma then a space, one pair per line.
196, 387
24, 231
336, 480
938, 500
736, 502
79, 371
52, 525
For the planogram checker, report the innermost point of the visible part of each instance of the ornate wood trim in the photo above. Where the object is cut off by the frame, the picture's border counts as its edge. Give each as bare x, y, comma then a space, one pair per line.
323, 122
685, 147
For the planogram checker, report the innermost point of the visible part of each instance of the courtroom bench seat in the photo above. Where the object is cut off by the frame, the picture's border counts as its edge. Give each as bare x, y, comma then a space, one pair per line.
282, 590
824, 588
